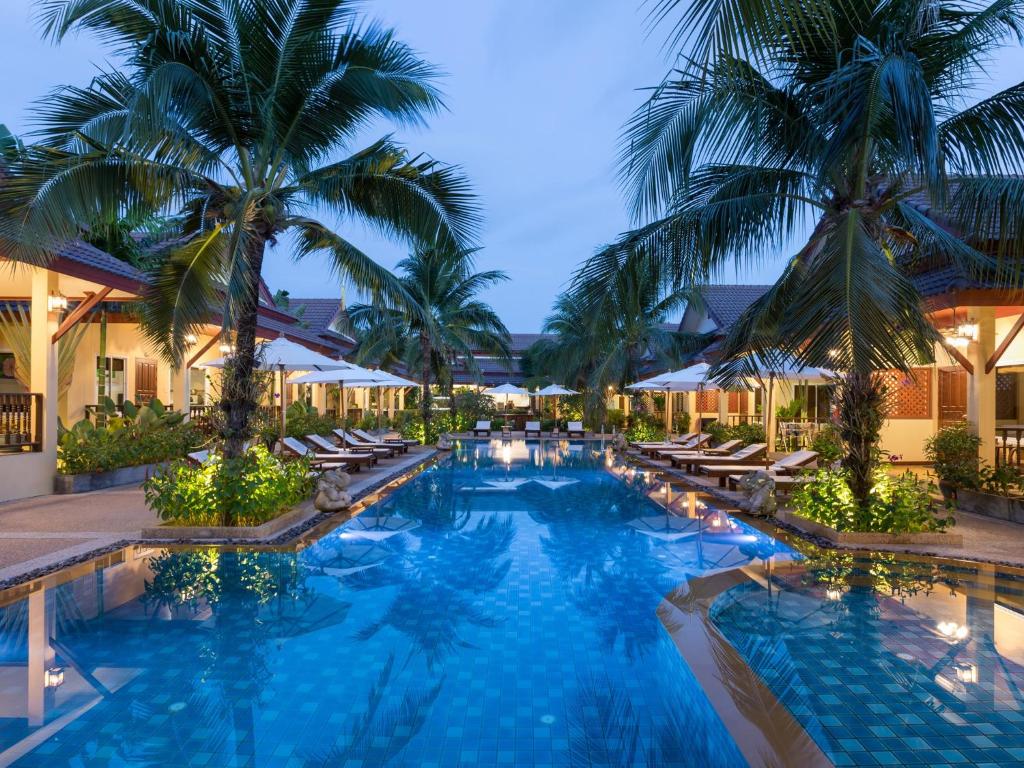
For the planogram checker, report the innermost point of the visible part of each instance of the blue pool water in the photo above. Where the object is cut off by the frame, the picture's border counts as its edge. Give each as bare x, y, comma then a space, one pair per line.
888, 660
499, 609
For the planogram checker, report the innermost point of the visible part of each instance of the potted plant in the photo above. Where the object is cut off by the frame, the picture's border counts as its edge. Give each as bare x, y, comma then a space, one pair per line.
997, 494
953, 452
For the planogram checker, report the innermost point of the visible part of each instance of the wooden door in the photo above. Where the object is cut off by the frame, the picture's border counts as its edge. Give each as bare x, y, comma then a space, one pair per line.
952, 395
145, 381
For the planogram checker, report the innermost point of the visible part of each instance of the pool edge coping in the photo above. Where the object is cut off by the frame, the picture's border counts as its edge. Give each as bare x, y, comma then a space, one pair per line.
297, 536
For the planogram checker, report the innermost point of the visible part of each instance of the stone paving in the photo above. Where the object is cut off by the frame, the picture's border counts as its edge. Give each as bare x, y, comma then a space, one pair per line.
41, 532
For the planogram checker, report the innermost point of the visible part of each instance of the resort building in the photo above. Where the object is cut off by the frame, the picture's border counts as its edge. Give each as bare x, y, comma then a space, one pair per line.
976, 375
53, 323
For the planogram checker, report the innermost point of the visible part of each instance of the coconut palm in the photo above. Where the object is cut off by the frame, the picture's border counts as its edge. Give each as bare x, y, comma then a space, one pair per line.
442, 321
848, 117
239, 118
605, 337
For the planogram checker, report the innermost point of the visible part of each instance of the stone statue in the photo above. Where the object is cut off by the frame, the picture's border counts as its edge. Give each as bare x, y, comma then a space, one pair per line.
759, 488
331, 495
619, 443
444, 442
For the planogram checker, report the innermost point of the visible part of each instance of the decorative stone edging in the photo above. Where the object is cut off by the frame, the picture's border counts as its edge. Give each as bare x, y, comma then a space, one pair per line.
284, 537
868, 539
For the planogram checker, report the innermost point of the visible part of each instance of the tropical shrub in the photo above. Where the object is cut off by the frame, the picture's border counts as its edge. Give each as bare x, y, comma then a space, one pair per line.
644, 428
615, 418
302, 419
827, 444
473, 405
953, 452
247, 490
747, 433
896, 504
681, 423
719, 432
146, 435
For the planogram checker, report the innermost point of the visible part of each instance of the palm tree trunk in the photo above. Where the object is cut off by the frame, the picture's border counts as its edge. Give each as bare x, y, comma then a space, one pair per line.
240, 397
861, 401
425, 379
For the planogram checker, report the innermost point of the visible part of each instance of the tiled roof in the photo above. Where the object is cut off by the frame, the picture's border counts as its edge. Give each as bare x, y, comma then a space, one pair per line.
725, 303
523, 341
318, 314
79, 254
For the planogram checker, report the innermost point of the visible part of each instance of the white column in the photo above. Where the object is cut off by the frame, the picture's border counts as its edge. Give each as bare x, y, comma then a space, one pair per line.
179, 388
981, 386
44, 356
769, 402
723, 407
401, 399
320, 398
40, 657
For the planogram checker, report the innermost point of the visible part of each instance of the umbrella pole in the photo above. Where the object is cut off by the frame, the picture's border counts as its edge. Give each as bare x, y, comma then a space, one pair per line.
284, 402
668, 414
344, 416
380, 403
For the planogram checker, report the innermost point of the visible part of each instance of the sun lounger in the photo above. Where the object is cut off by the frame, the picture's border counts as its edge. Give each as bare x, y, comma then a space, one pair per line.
533, 429
325, 461
482, 428
380, 450
325, 446
396, 441
575, 429
677, 442
691, 460
794, 462
691, 445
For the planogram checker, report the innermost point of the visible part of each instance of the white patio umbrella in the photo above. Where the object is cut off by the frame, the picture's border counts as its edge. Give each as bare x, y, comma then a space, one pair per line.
762, 371
506, 389
555, 391
352, 375
692, 379
282, 355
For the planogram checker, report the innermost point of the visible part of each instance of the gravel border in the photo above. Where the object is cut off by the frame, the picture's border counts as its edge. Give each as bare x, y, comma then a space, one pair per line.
283, 538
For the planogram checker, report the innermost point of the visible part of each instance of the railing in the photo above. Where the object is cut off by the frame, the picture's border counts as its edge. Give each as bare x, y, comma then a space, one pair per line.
745, 418
21, 419
1009, 444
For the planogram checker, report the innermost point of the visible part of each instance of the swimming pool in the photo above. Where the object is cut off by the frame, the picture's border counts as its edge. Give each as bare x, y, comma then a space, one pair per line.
501, 608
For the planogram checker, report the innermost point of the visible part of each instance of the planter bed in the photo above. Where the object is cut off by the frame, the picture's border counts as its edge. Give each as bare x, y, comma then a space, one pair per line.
867, 539
95, 481
992, 505
265, 530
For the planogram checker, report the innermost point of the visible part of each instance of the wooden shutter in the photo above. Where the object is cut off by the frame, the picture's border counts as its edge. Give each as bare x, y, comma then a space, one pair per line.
910, 396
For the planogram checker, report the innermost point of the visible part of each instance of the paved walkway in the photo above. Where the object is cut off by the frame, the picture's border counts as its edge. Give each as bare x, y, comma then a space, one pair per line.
40, 532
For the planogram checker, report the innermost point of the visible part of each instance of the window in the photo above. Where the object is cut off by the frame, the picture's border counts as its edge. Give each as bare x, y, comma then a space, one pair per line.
115, 382
816, 399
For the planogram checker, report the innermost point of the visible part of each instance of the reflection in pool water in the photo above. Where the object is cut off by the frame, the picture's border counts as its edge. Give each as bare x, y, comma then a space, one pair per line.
889, 660
500, 609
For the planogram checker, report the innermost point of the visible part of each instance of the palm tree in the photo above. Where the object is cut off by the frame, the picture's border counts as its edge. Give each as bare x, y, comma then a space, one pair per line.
237, 118
604, 337
845, 115
442, 321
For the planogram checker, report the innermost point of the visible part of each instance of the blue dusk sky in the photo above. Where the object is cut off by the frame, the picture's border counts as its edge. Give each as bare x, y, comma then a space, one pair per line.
537, 91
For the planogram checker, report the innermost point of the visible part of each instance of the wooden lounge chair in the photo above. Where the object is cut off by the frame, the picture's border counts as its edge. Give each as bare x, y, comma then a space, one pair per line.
482, 428
380, 450
678, 442
575, 429
348, 462
397, 441
323, 445
691, 445
725, 449
790, 464
533, 429
742, 456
